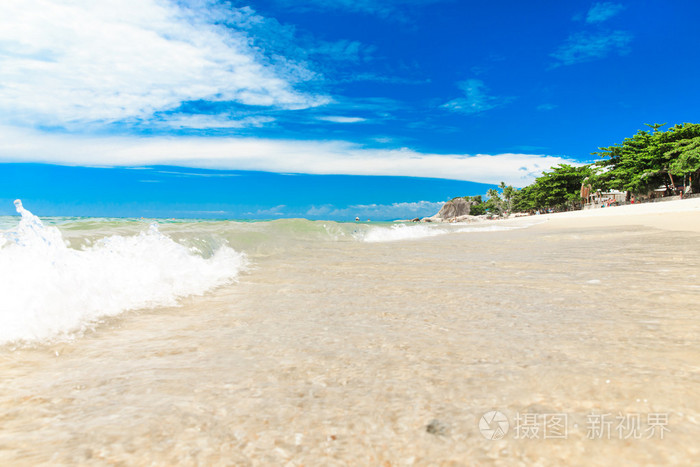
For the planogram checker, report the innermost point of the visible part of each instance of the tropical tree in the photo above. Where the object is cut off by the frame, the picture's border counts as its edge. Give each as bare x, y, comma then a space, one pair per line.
508, 193
477, 205
524, 199
637, 165
559, 189
494, 204
650, 159
681, 146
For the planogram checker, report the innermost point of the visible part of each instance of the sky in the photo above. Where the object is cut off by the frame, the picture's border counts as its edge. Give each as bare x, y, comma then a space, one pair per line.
438, 93
166, 191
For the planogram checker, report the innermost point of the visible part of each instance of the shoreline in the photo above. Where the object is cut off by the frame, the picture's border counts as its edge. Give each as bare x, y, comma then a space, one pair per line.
678, 215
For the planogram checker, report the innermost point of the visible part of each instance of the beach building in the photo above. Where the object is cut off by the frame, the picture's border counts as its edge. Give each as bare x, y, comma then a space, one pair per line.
600, 199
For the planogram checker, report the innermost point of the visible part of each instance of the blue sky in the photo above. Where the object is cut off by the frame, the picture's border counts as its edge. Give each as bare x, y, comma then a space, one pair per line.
164, 191
441, 89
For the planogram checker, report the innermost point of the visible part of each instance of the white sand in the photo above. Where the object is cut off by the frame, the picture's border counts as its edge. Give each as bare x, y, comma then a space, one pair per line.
680, 215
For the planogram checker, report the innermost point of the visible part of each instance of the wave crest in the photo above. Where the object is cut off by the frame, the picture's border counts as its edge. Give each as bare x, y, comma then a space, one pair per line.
50, 290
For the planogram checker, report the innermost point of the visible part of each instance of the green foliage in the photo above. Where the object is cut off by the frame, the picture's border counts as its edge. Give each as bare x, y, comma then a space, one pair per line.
681, 146
494, 205
639, 164
477, 209
474, 199
649, 159
558, 189
524, 200
508, 195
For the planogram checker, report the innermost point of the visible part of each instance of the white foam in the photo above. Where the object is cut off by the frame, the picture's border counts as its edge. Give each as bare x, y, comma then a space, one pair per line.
413, 232
48, 289
492, 228
401, 232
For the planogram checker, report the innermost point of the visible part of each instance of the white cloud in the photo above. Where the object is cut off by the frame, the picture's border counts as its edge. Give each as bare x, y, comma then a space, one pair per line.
73, 62
377, 211
340, 119
476, 98
314, 157
585, 46
603, 11
200, 121
274, 211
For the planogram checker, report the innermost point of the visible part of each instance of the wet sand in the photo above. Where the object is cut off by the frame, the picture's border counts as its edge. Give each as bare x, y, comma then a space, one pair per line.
345, 354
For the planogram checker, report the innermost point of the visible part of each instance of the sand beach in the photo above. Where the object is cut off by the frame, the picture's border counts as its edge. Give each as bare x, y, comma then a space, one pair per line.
679, 215
297, 234
563, 339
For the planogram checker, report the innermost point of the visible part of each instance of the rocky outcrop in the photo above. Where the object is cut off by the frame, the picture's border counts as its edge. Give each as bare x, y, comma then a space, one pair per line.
456, 210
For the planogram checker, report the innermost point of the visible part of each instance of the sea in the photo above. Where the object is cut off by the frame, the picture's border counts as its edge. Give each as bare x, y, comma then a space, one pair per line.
296, 342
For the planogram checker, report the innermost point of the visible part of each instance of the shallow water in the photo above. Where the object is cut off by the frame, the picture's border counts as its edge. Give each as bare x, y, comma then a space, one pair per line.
330, 350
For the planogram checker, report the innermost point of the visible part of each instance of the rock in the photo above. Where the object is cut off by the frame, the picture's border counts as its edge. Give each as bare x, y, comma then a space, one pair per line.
457, 207
437, 428
456, 210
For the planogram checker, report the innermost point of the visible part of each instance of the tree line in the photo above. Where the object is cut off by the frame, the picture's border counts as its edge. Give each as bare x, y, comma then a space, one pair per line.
640, 164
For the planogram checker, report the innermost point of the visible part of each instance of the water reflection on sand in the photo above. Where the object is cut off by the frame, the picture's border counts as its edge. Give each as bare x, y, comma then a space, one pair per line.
385, 354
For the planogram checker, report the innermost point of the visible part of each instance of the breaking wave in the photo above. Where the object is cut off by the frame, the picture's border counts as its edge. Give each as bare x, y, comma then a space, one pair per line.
49, 289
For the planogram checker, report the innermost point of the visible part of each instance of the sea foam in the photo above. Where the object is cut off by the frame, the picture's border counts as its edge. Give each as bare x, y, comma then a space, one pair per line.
49, 290
414, 232
401, 232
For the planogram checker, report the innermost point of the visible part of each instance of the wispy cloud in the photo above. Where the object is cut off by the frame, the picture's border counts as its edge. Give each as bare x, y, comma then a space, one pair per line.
201, 122
476, 98
595, 43
603, 11
377, 211
355, 110
284, 156
127, 59
545, 107
381, 78
275, 211
340, 119
343, 50
587, 46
